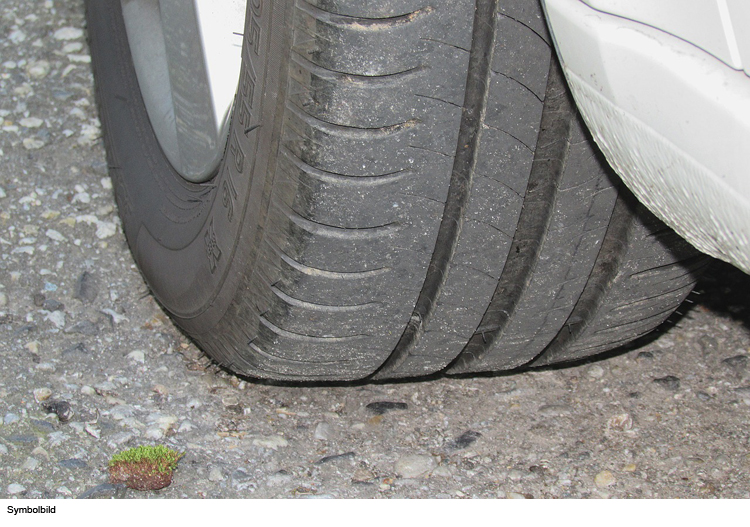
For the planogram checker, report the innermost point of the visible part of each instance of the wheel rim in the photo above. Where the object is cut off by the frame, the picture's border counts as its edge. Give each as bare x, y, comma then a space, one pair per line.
187, 58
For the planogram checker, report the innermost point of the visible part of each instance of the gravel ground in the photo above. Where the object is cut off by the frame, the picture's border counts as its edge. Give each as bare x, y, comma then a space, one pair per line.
91, 366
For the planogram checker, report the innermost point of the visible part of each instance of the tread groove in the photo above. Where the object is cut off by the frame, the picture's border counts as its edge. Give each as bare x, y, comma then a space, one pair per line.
547, 169
464, 162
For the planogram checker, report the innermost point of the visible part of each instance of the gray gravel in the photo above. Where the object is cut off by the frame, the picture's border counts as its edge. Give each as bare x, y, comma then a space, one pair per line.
91, 366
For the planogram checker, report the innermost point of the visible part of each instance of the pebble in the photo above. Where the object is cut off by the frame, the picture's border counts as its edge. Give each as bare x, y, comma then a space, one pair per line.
515, 496
465, 440
270, 442
620, 422
737, 363
670, 382
555, 410
3, 300
414, 465
93, 431
441, 472
61, 409
644, 355
38, 69
72, 463
31, 122
15, 488
185, 426
10, 418
56, 236
120, 438
323, 432
68, 33
154, 432
30, 464
137, 356
86, 287
605, 478
335, 457
84, 327
57, 318
46, 366
122, 411
32, 143
595, 371
215, 474
100, 491
42, 394
382, 407
105, 229
3, 449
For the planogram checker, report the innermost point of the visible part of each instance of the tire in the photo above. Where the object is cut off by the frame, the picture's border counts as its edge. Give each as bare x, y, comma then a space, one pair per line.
406, 189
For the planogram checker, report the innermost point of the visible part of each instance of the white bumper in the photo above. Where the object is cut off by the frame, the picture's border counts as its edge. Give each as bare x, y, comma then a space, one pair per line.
672, 118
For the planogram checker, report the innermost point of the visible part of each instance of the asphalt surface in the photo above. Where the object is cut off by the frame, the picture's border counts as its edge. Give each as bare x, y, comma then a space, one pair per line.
91, 366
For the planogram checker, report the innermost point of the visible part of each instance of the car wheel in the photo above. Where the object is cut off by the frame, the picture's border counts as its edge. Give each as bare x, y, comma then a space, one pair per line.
398, 188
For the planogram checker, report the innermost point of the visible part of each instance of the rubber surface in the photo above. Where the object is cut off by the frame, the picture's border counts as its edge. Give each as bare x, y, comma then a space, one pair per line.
407, 189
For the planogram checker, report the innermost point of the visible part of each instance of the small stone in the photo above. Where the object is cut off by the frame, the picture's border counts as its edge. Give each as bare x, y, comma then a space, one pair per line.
104, 490
86, 287
57, 318
88, 390
154, 432
215, 474
56, 236
709, 345
31, 122
137, 356
72, 463
414, 465
48, 367
50, 304
670, 382
32, 143
40, 452
605, 478
185, 426
38, 69
515, 496
68, 33
3, 300
10, 418
30, 464
270, 442
240, 476
4, 449
620, 422
555, 410
465, 440
15, 488
323, 432
120, 438
595, 371
630, 467
17, 36
644, 356
84, 327
737, 363
42, 394
441, 472
382, 407
93, 431
61, 409
122, 411
105, 229
335, 457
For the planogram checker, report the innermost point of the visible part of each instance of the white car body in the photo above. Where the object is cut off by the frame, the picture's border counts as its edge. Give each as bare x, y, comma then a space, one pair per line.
663, 86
